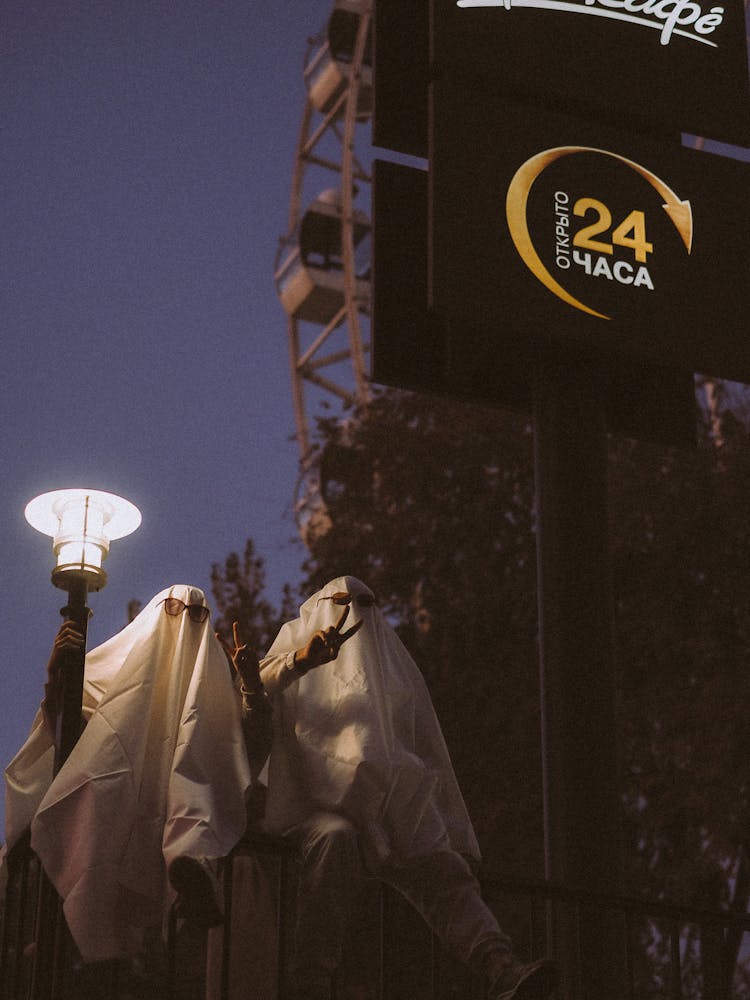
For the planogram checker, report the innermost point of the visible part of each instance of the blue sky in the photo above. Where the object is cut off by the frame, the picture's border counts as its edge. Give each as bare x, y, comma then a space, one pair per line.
146, 161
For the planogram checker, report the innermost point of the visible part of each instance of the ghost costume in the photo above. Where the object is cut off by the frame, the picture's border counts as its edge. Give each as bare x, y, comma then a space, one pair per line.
159, 771
360, 778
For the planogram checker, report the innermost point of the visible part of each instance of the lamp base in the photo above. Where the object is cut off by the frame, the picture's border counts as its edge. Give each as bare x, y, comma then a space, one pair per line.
89, 576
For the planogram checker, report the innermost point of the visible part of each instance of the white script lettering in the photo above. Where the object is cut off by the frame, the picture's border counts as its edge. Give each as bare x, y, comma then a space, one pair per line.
669, 17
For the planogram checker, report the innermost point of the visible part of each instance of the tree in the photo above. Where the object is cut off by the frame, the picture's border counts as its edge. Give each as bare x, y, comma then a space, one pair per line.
682, 544
237, 587
431, 503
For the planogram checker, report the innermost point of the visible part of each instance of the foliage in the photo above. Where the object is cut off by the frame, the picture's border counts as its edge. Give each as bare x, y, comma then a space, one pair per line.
237, 587
683, 617
681, 551
431, 504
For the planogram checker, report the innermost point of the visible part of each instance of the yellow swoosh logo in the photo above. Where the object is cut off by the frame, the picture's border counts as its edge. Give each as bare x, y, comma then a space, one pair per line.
679, 212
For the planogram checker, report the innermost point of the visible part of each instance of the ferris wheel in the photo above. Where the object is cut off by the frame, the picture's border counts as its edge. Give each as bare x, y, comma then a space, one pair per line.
322, 270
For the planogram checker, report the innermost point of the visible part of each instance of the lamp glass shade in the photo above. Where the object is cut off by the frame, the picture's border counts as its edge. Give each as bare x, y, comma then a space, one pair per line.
82, 523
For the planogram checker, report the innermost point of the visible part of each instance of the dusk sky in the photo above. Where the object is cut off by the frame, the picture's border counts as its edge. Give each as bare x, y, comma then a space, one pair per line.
147, 150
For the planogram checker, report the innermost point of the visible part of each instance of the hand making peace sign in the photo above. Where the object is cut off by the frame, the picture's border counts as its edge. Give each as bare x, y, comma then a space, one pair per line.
324, 645
243, 659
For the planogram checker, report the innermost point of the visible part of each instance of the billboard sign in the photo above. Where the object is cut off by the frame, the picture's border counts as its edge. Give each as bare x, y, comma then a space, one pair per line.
417, 348
671, 65
588, 235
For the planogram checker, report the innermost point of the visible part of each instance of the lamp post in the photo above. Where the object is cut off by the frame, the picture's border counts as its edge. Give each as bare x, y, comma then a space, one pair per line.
82, 524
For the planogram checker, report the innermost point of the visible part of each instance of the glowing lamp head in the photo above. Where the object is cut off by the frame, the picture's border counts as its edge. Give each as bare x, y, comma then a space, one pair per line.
82, 523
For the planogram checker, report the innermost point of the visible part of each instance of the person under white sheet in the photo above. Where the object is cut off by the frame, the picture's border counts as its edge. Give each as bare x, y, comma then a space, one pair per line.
360, 779
157, 780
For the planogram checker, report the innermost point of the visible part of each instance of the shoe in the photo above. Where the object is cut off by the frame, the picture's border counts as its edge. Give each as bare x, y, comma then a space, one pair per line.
535, 981
199, 890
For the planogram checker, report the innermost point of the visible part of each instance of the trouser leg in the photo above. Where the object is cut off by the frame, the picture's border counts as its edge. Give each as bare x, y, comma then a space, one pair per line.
443, 889
330, 879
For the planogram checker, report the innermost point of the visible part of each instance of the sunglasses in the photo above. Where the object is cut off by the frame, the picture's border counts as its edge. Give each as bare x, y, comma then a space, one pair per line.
174, 606
342, 598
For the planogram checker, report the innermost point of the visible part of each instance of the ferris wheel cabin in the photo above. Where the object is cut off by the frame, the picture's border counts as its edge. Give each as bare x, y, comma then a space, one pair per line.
310, 281
328, 73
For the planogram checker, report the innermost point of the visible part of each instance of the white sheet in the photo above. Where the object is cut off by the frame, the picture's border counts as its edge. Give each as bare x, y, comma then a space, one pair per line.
160, 770
359, 735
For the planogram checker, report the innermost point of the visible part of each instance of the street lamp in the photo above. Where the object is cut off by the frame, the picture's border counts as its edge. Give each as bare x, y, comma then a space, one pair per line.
82, 523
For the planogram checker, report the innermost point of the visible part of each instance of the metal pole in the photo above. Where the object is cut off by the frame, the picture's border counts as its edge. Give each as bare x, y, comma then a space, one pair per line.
581, 800
48, 975
72, 669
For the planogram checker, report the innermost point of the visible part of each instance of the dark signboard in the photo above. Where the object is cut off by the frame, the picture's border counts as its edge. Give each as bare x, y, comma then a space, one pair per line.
401, 44
463, 355
667, 65
550, 228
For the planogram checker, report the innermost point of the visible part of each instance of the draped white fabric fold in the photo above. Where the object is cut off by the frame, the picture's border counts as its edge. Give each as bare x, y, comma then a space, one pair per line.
159, 771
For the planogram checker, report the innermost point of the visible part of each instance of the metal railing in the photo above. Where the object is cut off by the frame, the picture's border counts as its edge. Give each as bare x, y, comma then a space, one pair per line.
671, 952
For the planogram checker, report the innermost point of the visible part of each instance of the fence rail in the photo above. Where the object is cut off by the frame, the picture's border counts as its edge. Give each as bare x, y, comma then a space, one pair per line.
671, 951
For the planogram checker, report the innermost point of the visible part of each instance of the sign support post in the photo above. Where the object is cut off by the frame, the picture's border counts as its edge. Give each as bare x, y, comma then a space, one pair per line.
577, 674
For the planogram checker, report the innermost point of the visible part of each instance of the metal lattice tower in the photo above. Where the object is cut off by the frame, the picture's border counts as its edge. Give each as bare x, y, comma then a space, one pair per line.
322, 267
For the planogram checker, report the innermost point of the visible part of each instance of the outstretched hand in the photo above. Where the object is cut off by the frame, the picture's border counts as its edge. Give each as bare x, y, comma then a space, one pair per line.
324, 645
243, 660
